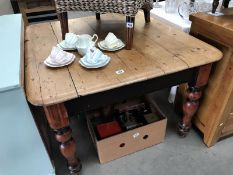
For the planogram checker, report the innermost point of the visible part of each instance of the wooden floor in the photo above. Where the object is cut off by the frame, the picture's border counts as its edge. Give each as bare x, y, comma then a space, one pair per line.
158, 49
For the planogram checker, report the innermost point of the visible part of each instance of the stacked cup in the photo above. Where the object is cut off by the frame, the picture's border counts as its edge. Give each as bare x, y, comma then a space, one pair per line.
85, 44
92, 57
59, 58
111, 43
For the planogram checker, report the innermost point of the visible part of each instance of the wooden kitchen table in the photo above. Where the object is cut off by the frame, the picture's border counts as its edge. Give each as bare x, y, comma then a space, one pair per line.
161, 57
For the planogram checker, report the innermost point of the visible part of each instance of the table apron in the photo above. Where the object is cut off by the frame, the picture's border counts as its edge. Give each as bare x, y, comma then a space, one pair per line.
93, 101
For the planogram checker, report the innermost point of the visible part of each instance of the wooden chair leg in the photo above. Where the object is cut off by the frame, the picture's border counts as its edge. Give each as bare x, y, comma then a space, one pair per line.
215, 5
146, 15
129, 31
225, 3
63, 18
97, 15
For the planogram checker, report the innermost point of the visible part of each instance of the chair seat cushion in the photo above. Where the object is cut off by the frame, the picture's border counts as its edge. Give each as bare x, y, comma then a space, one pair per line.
127, 7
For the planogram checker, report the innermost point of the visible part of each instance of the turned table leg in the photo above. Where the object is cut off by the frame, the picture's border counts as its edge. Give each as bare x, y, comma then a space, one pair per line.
215, 5
59, 122
192, 97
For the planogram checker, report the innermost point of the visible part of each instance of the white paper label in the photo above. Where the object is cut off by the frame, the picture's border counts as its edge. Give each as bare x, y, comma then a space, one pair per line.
136, 135
129, 25
121, 71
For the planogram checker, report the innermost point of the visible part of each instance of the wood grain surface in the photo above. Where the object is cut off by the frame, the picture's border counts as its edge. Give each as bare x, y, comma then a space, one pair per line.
158, 50
213, 117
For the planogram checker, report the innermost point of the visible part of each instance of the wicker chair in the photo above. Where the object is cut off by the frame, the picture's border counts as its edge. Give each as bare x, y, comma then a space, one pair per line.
126, 7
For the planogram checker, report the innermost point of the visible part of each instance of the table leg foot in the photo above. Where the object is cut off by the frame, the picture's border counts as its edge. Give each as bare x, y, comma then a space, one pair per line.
190, 106
59, 122
182, 130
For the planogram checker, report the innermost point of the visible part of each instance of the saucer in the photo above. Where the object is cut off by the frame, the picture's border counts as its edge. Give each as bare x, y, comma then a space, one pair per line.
94, 67
103, 46
83, 63
48, 63
62, 45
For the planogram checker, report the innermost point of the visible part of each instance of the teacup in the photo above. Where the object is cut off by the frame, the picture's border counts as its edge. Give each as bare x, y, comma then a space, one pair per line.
71, 40
94, 56
85, 42
111, 40
58, 56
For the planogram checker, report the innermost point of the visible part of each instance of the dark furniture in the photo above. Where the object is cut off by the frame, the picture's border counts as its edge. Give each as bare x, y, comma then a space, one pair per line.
127, 7
35, 10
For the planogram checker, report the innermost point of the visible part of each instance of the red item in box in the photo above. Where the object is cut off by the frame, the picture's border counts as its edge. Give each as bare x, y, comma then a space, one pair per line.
108, 129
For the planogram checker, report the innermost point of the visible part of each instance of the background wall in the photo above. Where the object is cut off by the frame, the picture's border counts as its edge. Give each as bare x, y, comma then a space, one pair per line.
5, 7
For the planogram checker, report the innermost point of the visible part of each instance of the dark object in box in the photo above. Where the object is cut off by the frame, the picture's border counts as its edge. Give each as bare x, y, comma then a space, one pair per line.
151, 117
130, 105
108, 129
131, 141
129, 120
130, 113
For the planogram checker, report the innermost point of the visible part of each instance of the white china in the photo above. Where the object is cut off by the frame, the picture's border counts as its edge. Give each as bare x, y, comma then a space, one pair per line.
51, 64
95, 66
111, 43
94, 58
69, 43
59, 58
102, 45
63, 46
71, 39
111, 40
187, 8
171, 6
85, 41
156, 4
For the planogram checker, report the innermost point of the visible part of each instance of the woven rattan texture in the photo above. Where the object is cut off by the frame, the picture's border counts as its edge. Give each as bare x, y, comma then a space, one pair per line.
126, 7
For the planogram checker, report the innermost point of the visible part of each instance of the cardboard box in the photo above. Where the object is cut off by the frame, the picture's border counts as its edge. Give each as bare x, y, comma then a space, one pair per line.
131, 141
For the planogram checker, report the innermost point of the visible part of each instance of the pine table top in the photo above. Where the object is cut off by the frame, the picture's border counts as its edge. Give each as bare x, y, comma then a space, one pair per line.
158, 50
